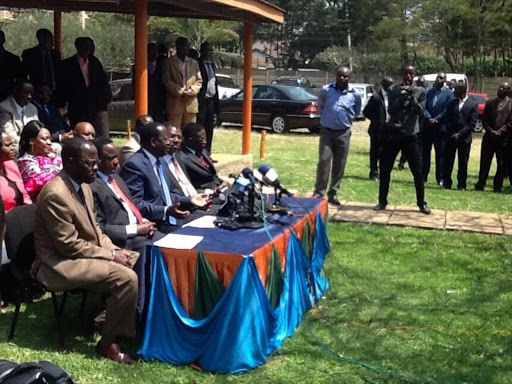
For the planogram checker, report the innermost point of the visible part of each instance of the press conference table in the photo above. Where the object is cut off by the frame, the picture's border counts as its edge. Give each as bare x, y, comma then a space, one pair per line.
231, 301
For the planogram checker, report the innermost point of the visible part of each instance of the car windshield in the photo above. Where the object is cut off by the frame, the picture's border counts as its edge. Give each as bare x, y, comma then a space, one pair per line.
286, 82
479, 99
359, 90
226, 82
300, 94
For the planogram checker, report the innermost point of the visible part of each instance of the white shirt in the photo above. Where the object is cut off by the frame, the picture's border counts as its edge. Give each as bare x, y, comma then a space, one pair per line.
169, 160
386, 102
131, 229
461, 102
20, 110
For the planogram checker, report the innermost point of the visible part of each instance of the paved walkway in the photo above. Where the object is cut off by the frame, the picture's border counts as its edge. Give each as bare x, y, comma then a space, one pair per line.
411, 217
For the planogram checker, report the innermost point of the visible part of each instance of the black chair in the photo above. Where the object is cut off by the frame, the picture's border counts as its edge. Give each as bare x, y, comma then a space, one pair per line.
19, 243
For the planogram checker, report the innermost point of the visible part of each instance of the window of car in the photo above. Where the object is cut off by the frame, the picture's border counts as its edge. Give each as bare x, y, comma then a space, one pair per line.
240, 95
225, 82
269, 93
286, 81
479, 99
300, 94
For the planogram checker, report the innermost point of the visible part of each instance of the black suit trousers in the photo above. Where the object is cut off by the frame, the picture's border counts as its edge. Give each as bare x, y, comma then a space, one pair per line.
431, 135
463, 149
375, 152
492, 145
409, 146
205, 117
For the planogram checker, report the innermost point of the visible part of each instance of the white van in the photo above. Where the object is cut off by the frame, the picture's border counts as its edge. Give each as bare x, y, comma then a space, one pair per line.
431, 78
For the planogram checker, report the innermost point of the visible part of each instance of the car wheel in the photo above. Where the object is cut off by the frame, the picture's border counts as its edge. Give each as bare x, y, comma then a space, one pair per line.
278, 124
479, 127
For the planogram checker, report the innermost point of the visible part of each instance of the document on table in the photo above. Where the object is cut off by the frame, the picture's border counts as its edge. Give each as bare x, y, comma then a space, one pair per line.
203, 222
175, 241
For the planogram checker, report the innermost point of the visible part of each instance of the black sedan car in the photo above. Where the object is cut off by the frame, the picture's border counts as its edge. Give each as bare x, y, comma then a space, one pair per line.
279, 107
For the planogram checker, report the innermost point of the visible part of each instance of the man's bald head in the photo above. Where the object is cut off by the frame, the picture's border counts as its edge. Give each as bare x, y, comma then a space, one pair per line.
343, 75
142, 121
504, 90
85, 130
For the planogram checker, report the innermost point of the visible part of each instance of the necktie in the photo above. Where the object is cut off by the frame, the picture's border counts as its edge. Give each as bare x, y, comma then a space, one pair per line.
125, 199
203, 162
22, 116
165, 187
47, 111
183, 178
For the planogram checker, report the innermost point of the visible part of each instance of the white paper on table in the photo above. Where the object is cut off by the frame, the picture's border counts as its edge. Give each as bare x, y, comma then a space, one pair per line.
175, 241
202, 222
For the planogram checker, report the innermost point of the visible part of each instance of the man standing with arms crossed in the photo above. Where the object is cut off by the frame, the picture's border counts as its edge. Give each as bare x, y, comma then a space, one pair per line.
339, 105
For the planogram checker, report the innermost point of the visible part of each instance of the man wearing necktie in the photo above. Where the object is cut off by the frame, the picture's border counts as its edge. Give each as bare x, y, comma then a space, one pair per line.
148, 178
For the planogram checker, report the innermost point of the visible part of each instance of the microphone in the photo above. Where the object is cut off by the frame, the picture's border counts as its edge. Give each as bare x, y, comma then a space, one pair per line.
270, 177
247, 173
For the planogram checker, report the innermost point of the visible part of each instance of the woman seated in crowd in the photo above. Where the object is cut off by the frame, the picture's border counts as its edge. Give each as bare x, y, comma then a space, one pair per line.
38, 163
11, 184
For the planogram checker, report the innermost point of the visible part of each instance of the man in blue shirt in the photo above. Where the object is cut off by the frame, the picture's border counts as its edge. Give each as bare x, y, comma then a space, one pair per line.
434, 129
339, 105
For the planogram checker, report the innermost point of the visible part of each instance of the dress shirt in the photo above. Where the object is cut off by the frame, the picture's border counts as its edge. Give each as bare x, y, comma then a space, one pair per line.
153, 160
84, 67
385, 96
338, 107
461, 102
20, 110
210, 85
131, 229
151, 66
185, 185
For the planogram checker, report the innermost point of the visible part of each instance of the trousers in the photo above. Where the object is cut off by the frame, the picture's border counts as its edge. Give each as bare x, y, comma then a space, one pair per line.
206, 117
492, 145
463, 149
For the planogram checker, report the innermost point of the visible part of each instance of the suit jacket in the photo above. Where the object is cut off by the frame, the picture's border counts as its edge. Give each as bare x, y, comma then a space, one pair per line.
52, 120
201, 177
83, 102
204, 75
375, 111
438, 110
33, 64
71, 250
462, 121
110, 213
408, 114
498, 120
129, 148
10, 69
10, 120
173, 82
139, 175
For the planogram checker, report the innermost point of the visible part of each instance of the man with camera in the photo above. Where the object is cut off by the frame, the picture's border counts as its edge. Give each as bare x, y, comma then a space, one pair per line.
406, 105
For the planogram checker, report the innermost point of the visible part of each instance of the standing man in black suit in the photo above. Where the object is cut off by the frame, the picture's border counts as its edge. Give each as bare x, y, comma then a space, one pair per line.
406, 105
10, 69
156, 89
195, 160
461, 116
377, 112
40, 63
497, 121
208, 96
147, 175
117, 214
83, 86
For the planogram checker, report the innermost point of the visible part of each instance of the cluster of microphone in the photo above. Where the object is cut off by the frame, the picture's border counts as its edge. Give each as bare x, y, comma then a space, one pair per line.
255, 179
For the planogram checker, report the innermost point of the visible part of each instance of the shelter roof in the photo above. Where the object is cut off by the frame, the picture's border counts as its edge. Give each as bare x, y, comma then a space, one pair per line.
252, 11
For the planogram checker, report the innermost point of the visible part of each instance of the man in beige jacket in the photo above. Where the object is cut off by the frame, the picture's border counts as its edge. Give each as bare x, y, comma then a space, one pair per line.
182, 80
72, 252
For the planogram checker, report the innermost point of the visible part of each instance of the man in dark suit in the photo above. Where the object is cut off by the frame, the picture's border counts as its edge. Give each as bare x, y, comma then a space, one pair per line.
49, 114
461, 116
117, 214
406, 105
434, 129
148, 178
40, 63
195, 160
208, 96
497, 121
10, 69
156, 89
83, 85
377, 112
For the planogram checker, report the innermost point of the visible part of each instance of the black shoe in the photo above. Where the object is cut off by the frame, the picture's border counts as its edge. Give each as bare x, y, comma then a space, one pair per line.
446, 186
424, 208
497, 190
460, 188
380, 207
400, 167
333, 200
479, 187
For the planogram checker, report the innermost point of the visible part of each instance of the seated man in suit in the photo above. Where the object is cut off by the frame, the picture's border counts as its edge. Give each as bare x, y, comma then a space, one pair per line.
461, 115
85, 130
16, 111
133, 143
49, 114
116, 213
71, 251
195, 160
149, 180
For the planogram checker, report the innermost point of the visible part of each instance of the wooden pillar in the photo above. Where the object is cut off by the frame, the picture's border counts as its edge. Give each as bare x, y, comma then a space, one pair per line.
247, 106
141, 58
57, 30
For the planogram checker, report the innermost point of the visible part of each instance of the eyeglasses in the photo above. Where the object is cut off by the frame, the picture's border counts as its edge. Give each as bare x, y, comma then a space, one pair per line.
90, 164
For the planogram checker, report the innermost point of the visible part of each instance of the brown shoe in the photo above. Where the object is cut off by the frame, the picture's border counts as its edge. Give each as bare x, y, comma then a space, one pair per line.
113, 352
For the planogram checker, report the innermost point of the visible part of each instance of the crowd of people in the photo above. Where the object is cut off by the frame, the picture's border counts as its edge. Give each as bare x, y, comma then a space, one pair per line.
409, 119
97, 205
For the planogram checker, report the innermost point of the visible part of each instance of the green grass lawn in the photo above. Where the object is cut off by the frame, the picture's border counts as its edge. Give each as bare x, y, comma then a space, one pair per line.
425, 304
430, 305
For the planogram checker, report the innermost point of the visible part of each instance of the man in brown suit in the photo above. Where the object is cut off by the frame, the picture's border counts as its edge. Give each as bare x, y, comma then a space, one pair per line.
497, 121
72, 252
182, 80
